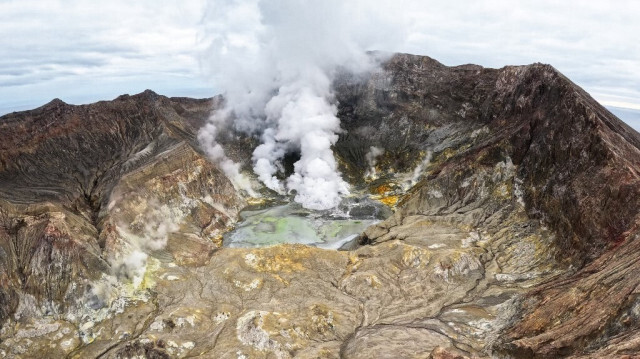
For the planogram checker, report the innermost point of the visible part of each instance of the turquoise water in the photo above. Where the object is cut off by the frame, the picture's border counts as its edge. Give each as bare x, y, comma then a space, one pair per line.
290, 223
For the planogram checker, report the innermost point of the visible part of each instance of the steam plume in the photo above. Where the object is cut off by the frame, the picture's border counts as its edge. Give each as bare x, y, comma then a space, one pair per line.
276, 61
156, 224
372, 161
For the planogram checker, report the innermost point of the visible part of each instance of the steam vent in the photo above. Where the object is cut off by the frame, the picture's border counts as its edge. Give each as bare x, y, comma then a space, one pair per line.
492, 213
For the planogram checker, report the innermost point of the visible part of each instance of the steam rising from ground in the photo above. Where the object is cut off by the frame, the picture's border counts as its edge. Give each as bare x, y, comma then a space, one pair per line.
207, 137
275, 61
372, 161
130, 249
419, 170
156, 225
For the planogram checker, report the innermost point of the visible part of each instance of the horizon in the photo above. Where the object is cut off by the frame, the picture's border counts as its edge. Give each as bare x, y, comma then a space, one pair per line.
83, 52
630, 116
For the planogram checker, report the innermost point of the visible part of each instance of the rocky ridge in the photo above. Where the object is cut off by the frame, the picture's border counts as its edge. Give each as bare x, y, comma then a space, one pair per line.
514, 232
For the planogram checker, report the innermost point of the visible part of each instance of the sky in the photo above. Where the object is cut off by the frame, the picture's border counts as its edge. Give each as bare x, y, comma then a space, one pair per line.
85, 51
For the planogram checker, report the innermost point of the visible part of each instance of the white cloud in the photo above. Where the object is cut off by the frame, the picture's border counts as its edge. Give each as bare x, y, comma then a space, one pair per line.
70, 48
590, 42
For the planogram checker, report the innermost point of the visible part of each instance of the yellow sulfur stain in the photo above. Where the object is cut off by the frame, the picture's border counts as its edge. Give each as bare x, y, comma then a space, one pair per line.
390, 201
373, 281
288, 258
383, 189
148, 280
217, 240
386, 194
255, 200
415, 257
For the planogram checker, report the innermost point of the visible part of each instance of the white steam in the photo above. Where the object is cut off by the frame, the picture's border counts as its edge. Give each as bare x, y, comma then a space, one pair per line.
276, 60
130, 248
157, 223
372, 161
419, 170
207, 137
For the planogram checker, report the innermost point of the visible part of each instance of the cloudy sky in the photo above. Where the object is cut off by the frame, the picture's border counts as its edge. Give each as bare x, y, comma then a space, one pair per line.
84, 51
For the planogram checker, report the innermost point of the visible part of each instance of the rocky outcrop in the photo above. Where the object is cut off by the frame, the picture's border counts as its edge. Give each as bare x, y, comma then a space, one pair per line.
575, 171
91, 195
514, 232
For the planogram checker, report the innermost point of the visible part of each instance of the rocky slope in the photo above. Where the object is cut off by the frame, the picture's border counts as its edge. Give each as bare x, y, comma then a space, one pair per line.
516, 202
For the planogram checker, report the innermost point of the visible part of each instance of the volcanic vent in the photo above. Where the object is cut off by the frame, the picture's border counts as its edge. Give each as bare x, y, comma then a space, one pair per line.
507, 202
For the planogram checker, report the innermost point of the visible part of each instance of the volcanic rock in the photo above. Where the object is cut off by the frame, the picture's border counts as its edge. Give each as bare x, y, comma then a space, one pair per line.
516, 202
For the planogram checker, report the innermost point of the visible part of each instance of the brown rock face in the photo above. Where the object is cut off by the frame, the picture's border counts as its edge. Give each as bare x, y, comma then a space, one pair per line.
515, 231
576, 169
73, 178
570, 152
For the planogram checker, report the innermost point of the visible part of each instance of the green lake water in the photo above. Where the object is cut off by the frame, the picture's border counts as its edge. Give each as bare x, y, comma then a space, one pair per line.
290, 223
